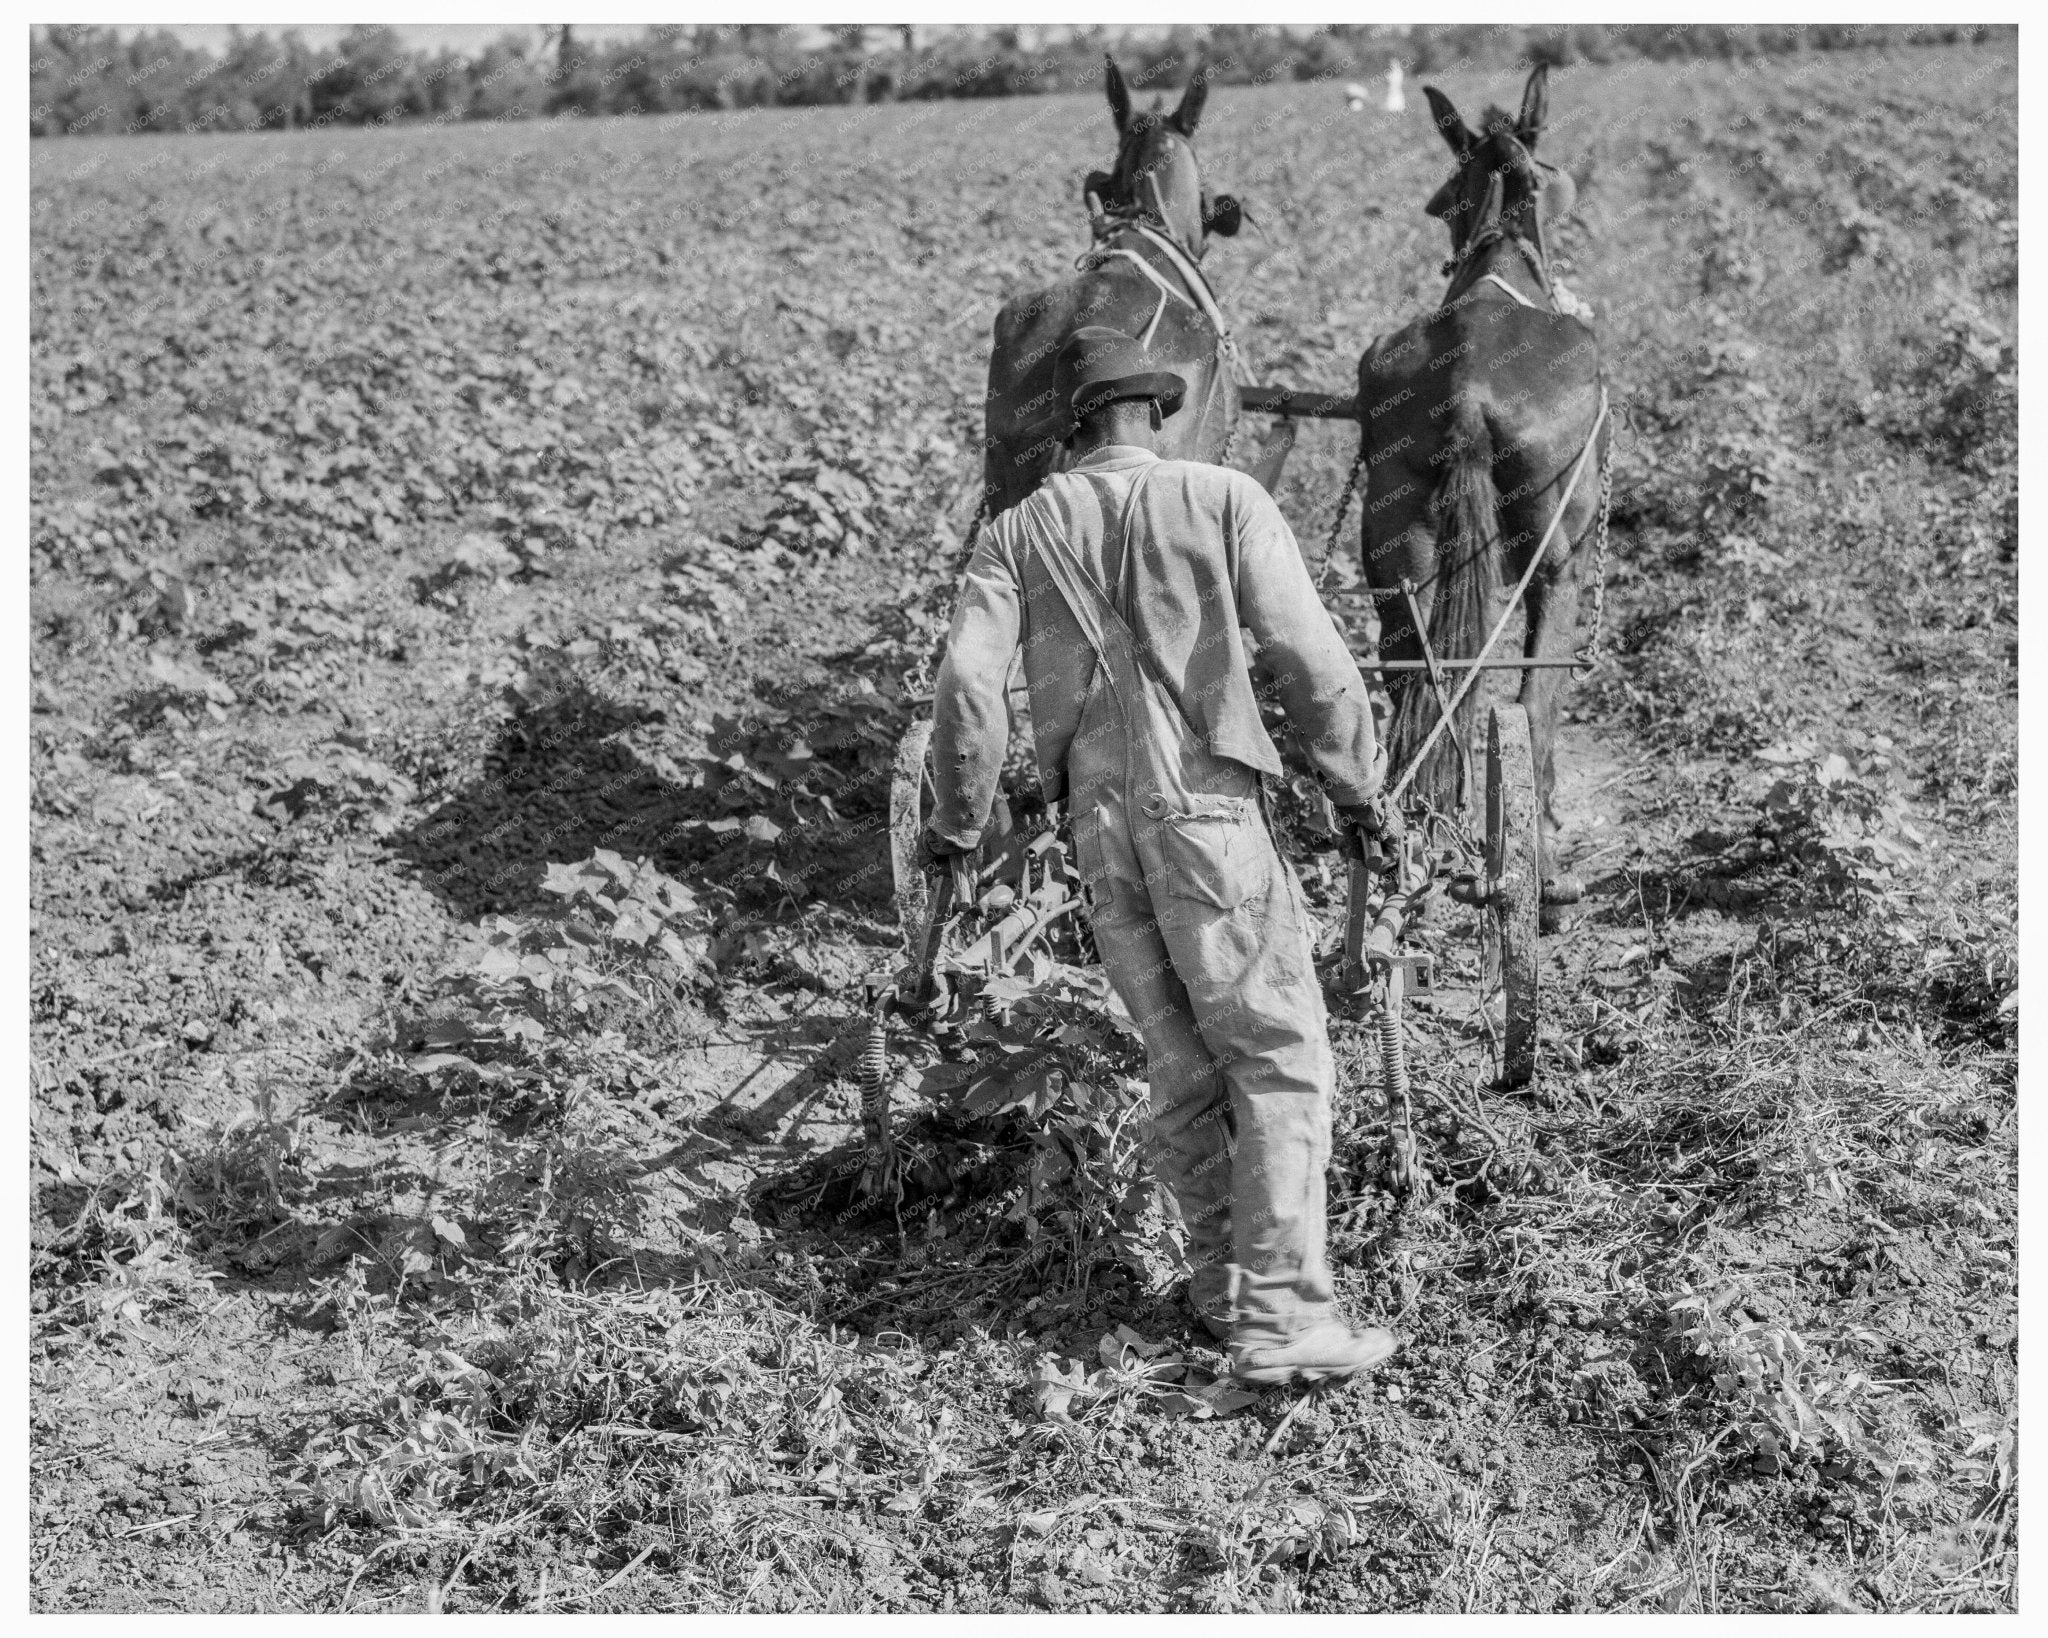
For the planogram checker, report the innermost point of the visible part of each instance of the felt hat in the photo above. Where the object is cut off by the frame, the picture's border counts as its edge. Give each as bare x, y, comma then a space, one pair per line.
1099, 365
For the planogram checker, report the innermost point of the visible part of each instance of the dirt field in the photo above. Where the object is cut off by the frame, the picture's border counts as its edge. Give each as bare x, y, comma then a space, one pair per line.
428, 525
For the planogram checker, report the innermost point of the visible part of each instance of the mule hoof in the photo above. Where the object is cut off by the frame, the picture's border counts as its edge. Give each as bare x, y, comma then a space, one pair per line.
1563, 890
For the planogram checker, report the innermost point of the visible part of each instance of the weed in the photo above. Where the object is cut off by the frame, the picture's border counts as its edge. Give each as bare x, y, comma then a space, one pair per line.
1845, 824
1789, 1397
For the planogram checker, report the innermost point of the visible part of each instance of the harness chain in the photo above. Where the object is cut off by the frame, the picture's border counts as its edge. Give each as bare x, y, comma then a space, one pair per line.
974, 530
1343, 507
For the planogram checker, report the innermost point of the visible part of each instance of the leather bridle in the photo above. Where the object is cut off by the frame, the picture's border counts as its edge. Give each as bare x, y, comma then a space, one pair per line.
1461, 261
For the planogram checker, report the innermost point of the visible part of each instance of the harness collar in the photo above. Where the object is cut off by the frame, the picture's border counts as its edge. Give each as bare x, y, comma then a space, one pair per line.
1495, 278
1196, 292
1459, 265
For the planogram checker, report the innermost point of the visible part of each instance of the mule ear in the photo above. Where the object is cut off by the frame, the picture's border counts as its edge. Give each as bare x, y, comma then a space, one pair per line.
1189, 114
1456, 135
1119, 93
1535, 107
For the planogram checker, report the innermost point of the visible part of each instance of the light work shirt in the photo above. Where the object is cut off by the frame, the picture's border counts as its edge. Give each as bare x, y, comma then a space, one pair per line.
1211, 555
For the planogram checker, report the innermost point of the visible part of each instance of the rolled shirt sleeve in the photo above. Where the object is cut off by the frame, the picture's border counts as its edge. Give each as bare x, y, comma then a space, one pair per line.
971, 730
1318, 681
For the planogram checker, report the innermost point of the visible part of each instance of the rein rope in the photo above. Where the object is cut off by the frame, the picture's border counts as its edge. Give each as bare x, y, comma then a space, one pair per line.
1589, 652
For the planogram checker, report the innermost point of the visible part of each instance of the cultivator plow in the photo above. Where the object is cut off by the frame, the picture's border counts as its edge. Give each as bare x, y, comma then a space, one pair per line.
1004, 912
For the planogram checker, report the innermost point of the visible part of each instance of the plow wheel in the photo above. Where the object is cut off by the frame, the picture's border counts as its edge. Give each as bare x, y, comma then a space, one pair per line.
1510, 916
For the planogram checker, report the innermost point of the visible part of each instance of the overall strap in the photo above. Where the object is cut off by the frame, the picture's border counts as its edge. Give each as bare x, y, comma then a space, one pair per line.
1124, 659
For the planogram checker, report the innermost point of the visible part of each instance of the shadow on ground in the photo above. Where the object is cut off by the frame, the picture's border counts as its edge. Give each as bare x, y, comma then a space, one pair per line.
557, 784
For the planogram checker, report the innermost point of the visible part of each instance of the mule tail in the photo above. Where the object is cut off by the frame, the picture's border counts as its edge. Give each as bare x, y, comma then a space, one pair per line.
1466, 511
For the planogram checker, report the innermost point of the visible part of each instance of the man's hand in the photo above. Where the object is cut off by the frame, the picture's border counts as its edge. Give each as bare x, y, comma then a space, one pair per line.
1375, 817
937, 851
950, 861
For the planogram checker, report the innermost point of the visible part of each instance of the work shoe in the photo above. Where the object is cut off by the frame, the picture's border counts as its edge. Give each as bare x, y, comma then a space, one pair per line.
1211, 1311
1208, 1300
1320, 1353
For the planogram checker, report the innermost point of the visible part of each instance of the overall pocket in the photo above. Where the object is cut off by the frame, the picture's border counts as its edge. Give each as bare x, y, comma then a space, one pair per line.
1212, 851
1097, 895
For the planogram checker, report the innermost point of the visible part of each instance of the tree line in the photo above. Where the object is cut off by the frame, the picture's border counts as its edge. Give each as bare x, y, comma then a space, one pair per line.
90, 80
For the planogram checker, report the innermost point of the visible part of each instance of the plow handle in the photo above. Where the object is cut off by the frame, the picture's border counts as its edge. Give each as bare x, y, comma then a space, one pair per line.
954, 886
1352, 978
1382, 852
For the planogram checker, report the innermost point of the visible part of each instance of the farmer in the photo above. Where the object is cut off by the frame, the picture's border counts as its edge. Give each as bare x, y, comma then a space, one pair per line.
1125, 579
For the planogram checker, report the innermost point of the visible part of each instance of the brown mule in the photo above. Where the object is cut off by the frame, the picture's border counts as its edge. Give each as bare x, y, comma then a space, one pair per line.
1153, 220
1473, 419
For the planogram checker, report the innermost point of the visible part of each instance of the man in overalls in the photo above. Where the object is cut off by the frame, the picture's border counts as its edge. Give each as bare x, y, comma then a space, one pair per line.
1126, 580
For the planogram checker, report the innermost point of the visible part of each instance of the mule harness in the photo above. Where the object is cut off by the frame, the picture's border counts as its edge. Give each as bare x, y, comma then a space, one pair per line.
1561, 299
1195, 293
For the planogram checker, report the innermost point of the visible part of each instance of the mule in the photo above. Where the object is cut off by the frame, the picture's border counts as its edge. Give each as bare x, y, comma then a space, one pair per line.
1473, 418
1153, 220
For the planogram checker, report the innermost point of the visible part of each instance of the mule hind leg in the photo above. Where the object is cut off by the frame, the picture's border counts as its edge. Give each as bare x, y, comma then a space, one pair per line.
1552, 603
